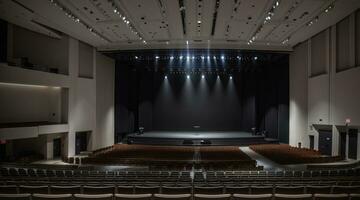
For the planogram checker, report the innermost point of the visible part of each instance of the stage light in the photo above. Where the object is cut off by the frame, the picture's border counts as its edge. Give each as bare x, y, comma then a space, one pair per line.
203, 76
222, 57
217, 76
180, 57
171, 57
188, 76
165, 77
157, 57
230, 77
255, 58
193, 57
208, 57
202, 57
214, 57
187, 57
136, 57
238, 57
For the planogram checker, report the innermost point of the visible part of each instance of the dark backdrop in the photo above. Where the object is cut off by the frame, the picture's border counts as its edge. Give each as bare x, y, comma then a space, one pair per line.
253, 98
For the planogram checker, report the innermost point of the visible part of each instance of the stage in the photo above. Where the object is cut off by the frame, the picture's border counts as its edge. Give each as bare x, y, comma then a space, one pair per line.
195, 138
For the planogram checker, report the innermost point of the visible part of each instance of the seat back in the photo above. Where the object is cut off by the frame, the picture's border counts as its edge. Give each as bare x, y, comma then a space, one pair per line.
125, 189
51, 196
318, 189
15, 196
75, 189
208, 190
212, 196
133, 196
261, 190
93, 196
292, 197
346, 189
354, 197
289, 190
237, 190
98, 189
147, 189
172, 197
331, 196
8, 189
40, 189
252, 196
176, 190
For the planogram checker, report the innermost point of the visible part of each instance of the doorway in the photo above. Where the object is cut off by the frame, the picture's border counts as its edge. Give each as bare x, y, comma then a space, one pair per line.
81, 142
325, 142
312, 141
342, 143
353, 140
57, 148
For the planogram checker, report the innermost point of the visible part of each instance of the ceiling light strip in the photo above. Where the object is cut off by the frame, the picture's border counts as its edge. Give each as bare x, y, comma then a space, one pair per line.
78, 20
125, 19
268, 17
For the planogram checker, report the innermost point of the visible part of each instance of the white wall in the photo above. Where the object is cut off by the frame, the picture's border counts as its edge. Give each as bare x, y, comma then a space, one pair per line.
105, 78
298, 94
330, 86
24, 103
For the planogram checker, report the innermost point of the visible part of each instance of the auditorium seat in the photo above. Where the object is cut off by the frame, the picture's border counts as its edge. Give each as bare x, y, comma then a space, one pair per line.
133, 196
41, 189
147, 189
66, 189
261, 190
237, 190
24, 196
292, 197
176, 190
354, 197
289, 189
208, 190
172, 197
98, 189
252, 196
318, 189
212, 196
331, 196
52, 196
346, 189
8, 189
125, 189
93, 196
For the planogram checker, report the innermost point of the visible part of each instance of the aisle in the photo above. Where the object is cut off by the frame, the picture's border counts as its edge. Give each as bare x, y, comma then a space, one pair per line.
261, 160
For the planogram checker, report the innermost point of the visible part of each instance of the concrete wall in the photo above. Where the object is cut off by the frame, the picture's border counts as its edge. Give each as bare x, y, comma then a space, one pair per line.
82, 97
105, 78
324, 80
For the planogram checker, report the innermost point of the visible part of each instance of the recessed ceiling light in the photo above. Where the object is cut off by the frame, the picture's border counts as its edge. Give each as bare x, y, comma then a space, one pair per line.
199, 22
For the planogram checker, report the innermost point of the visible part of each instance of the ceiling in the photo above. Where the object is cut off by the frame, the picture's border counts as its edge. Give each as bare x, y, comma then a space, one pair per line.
166, 24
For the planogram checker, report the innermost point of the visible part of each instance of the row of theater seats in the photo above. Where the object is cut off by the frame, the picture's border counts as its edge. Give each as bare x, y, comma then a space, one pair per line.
77, 189
180, 197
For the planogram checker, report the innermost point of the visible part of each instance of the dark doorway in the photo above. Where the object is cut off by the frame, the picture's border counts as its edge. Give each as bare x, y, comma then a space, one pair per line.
312, 141
2, 151
342, 147
81, 142
353, 139
57, 148
325, 142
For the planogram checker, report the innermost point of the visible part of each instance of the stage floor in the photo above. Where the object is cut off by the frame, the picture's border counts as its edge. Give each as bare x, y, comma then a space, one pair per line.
196, 138
200, 135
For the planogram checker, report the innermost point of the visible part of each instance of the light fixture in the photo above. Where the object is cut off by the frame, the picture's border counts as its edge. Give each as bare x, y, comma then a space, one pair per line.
187, 57
222, 57
238, 57
199, 22
203, 76
171, 57
165, 77
208, 57
214, 57
188, 76
136, 57
187, 42
193, 57
255, 58
217, 76
202, 57
180, 57
230, 77
157, 57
